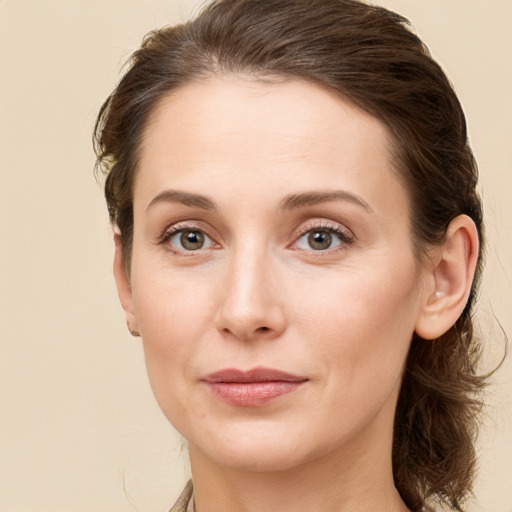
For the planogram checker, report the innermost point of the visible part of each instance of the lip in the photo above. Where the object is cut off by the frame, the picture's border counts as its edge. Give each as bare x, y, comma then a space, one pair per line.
252, 388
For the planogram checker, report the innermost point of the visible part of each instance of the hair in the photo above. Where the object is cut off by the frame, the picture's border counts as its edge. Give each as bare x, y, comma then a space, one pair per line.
372, 58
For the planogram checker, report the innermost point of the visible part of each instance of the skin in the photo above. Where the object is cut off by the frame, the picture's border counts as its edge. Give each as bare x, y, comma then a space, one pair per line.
257, 293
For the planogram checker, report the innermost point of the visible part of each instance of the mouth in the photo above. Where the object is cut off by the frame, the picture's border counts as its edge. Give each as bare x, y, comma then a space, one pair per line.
253, 388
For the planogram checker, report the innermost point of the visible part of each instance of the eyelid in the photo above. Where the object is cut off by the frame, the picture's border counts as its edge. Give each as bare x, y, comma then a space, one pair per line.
192, 225
345, 235
328, 225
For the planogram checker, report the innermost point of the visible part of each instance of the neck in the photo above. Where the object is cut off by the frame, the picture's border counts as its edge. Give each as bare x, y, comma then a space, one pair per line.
354, 480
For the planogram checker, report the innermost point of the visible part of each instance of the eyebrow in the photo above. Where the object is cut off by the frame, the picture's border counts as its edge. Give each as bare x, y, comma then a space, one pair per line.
294, 201
185, 198
290, 202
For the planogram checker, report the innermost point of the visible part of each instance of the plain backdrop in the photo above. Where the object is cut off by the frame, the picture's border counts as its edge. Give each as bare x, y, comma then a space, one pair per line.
79, 428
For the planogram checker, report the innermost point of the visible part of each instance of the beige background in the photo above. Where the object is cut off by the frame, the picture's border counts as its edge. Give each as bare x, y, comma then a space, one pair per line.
79, 429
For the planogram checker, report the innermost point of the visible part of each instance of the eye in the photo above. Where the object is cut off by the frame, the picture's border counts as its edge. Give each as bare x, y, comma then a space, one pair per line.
187, 239
320, 240
323, 239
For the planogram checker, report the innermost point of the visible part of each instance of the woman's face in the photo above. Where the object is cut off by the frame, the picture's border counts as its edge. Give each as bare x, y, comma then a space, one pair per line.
272, 278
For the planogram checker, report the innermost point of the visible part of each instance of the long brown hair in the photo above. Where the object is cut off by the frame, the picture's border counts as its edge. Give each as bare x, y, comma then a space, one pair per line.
370, 56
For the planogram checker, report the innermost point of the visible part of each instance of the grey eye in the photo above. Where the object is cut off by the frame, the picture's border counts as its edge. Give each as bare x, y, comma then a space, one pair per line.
320, 240
190, 240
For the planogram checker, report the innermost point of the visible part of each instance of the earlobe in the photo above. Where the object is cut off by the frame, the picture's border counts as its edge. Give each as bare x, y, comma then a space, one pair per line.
123, 285
452, 273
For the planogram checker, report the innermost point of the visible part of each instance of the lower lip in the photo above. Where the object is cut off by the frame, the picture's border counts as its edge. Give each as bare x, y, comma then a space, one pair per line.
252, 394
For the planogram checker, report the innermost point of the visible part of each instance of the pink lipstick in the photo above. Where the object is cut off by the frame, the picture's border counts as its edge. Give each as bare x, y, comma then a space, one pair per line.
252, 388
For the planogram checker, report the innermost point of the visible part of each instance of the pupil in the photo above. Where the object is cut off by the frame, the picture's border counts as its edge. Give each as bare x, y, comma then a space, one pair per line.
192, 240
319, 240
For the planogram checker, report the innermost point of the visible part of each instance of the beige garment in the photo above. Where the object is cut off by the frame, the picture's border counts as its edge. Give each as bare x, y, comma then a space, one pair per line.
185, 502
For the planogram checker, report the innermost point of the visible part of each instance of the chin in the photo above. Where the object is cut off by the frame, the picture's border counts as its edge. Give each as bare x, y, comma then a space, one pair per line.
261, 448
256, 459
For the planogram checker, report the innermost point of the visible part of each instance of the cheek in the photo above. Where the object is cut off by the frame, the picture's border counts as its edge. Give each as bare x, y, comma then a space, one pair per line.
170, 305
172, 316
380, 300
361, 327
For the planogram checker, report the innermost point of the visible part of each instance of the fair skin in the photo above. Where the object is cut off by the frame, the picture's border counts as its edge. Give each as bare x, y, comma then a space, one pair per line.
271, 231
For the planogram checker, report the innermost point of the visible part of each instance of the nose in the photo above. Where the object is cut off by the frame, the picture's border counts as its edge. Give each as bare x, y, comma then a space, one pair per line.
252, 304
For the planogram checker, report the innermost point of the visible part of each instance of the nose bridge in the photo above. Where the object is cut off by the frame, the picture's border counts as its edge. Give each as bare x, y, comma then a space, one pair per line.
251, 305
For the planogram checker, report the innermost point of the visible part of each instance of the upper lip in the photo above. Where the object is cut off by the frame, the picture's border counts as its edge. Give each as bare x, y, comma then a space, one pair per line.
255, 375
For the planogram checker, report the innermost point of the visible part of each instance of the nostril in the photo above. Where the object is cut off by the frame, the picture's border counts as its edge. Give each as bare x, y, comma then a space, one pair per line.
262, 329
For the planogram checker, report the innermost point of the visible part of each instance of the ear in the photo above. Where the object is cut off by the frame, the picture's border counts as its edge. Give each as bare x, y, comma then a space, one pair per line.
124, 289
449, 279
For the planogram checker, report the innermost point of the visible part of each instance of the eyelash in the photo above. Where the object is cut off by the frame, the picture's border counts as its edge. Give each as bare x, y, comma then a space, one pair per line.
180, 228
345, 237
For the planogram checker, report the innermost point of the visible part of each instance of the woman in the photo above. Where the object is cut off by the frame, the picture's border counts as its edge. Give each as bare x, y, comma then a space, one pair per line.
298, 243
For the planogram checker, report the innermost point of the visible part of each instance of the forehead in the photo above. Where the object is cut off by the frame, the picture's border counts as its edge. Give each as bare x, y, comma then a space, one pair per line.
265, 112
252, 134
